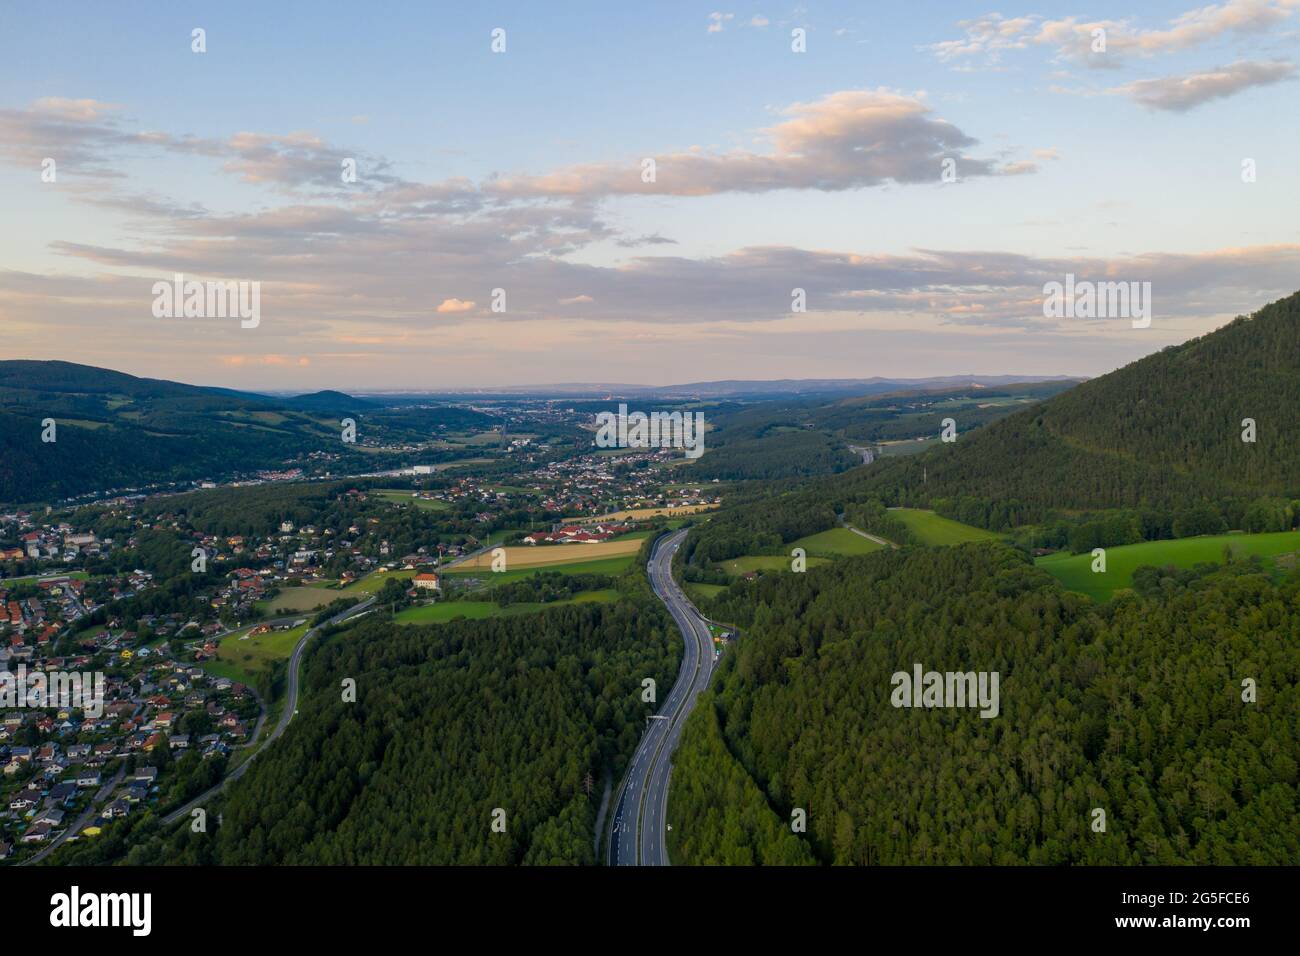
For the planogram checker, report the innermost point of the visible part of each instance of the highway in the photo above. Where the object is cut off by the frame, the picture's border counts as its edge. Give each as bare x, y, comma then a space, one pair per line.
638, 828
286, 715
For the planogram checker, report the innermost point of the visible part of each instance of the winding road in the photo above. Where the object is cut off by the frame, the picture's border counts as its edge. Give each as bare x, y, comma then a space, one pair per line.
638, 828
286, 715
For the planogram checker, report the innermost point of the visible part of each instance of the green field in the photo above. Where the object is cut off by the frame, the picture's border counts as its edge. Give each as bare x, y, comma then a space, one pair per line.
405, 498
444, 611
931, 528
598, 566
33, 578
312, 596
820, 548
703, 592
243, 659
765, 562
1075, 570
836, 542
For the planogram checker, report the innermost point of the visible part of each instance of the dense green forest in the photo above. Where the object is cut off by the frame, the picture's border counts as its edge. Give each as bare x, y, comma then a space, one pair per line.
527, 714
1163, 432
1135, 708
783, 454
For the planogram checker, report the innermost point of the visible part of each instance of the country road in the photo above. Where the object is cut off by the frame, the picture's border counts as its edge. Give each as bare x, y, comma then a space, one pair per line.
638, 828
883, 542
286, 715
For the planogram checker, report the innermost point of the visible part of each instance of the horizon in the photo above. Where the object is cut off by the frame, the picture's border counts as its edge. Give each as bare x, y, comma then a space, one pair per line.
500, 388
439, 215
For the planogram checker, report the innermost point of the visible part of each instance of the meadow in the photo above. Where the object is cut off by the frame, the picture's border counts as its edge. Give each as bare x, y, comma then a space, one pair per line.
934, 529
243, 658
1075, 572
443, 611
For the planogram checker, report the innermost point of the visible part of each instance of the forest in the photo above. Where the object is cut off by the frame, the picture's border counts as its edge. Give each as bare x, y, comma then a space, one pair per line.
1135, 708
1210, 421
528, 714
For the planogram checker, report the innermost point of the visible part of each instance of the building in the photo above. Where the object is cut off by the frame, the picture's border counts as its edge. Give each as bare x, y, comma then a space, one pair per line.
427, 581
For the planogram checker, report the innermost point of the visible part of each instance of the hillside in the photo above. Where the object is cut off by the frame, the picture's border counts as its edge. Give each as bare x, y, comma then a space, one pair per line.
118, 431
1162, 430
805, 437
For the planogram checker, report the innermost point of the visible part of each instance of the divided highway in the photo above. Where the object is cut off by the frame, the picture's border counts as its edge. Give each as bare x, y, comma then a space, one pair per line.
638, 828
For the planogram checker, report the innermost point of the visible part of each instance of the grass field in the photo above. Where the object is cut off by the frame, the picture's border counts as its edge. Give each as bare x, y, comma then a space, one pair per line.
399, 497
931, 528
532, 556
444, 611
820, 548
836, 542
33, 578
312, 596
488, 576
703, 592
244, 658
1075, 570
765, 562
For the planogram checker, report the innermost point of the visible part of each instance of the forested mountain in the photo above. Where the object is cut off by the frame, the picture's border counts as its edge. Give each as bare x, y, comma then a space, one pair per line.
1135, 708
1166, 429
118, 431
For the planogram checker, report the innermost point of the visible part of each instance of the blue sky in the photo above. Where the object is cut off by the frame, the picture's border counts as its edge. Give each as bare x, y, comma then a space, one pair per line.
519, 170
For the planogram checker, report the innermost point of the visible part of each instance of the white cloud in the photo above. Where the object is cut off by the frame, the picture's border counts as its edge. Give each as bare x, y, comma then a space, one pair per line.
454, 305
717, 20
1182, 93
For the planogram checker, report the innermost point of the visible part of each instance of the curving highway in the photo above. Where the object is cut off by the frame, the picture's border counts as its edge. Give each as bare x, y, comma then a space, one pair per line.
639, 826
286, 715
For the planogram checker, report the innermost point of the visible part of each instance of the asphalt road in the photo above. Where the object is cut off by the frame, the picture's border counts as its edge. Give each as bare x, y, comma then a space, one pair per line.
286, 715
638, 828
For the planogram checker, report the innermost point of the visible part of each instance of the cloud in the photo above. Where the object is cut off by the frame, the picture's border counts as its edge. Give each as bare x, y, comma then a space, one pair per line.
1181, 93
847, 140
716, 21
758, 20
278, 361
454, 305
73, 110
1075, 39
577, 300
1047, 153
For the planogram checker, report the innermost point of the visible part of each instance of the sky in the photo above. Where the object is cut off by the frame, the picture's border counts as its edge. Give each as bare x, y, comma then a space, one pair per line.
595, 192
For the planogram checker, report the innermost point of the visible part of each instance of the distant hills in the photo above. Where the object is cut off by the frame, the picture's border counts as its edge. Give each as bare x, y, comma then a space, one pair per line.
751, 389
115, 430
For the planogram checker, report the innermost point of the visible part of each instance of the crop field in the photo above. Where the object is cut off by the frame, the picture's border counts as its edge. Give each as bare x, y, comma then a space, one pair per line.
554, 555
640, 514
486, 576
